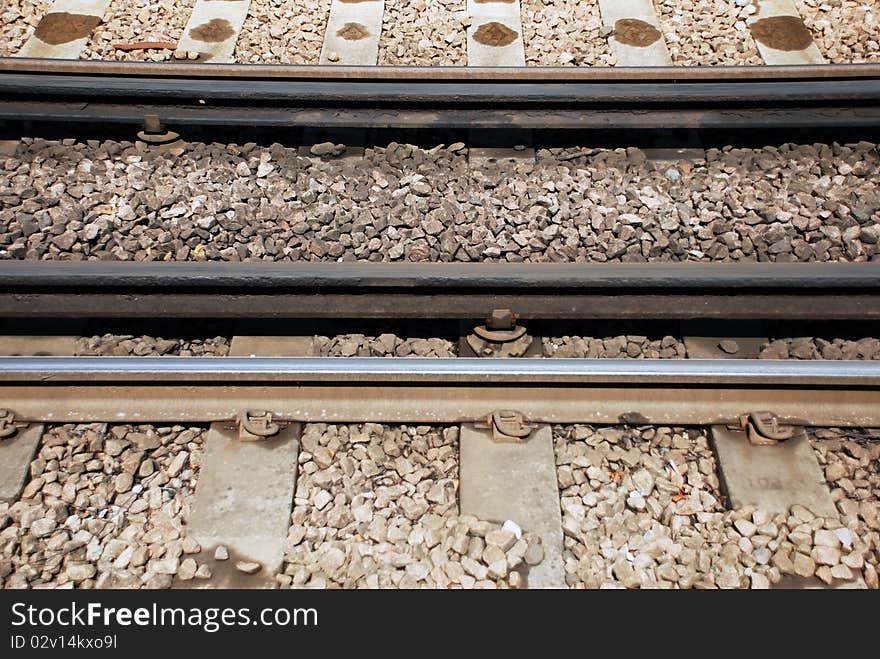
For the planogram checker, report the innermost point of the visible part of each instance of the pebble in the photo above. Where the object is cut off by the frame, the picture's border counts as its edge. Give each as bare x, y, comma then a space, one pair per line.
729, 346
512, 527
248, 567
187, 569
804, 566
745, 527
534, 554
221, 553
77, 572
43, 527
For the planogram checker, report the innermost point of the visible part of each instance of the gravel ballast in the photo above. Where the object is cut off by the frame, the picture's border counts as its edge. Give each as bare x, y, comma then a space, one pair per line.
384, 345
708, 32
376, 507
139, 21
118, 201
845, 31
627, 346
283, 32
18, 18
562, 33
851, 462
642, 509
128, 345
669, 347
817, 348
614, 347
103, 508
424, 33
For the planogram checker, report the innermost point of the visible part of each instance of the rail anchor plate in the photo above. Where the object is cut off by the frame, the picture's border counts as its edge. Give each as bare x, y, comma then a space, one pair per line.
507, 426
500, 336
256, 425
765, 429
7, 425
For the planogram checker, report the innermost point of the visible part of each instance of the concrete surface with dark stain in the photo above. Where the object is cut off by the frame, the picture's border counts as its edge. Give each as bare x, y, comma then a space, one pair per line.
224, 574
214, 31
782, 33
352, 32
494, 34
635, 32
56, 28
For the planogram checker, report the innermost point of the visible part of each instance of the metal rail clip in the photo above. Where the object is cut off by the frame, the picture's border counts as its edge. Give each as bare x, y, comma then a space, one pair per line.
500, 336
256, 425
764, 429
507, 426
7, 427
154, 132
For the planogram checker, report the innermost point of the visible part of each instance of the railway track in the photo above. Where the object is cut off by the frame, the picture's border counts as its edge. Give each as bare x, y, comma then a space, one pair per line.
608, 416
258, 420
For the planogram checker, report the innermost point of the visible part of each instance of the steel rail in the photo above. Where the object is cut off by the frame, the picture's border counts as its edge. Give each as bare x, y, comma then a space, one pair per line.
413, 371
438, 391
452, 291
371, 97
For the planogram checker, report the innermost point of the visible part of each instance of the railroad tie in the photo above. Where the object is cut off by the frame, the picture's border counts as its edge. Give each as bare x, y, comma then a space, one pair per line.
636, 39
243, 502
502, 481
65, 30
773, 479
33, 345
781, 36
256, 345
9, 147
16, 453
494, 37
352, 33
213, 29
